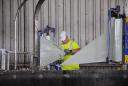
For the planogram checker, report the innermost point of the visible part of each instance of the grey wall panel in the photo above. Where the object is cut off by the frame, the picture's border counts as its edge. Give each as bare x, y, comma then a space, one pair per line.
21, 25
57, 19
26, 29
102, 16
61, 14
105, 16
98, 16
39, 20
45, 11
94, 19
79, 21
112, 3
67, 16
49, 12
90, 7
30, 20
75, 29
71, 18
12, 25
41, 17
84, 20
82, 24
87, 21
7, 22
1, 24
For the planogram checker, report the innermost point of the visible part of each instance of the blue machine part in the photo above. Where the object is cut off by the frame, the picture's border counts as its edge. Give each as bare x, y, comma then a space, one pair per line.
126, 39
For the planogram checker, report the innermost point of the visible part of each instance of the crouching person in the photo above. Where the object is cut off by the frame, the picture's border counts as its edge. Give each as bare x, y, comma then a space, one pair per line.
70, 47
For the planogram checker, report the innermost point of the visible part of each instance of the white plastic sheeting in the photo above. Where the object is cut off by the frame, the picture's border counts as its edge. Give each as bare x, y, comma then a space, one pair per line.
118, 40
49, 52
96, 51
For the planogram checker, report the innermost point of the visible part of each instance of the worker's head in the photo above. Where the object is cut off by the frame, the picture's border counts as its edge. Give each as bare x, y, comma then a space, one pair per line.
64, 37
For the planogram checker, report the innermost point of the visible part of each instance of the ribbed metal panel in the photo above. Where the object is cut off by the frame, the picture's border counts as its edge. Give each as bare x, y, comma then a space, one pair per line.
84, 20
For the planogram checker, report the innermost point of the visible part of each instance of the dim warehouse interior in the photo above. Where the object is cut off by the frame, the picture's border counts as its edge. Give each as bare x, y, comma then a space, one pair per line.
63, 42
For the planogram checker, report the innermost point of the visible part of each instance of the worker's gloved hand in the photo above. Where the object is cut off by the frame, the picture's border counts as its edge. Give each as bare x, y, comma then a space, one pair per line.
57, 67
67, 51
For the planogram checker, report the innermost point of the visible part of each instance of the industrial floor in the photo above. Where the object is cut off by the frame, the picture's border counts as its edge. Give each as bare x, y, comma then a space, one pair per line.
64, 78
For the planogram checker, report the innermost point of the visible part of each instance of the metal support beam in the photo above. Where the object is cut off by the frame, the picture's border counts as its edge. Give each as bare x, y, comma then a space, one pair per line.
15, 22
35, 28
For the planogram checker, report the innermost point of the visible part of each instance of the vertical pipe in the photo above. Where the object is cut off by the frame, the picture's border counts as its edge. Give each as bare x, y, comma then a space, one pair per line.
108, 38
19, 8
35, 29
15, 46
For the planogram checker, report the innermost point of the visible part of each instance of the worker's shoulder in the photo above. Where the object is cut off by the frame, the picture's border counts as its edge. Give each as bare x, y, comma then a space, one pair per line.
72, 41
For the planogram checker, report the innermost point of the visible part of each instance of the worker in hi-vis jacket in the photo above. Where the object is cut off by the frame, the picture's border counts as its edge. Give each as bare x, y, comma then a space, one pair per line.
70, 47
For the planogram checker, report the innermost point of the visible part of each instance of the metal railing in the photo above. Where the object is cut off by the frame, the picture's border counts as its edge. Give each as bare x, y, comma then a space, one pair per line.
9, 62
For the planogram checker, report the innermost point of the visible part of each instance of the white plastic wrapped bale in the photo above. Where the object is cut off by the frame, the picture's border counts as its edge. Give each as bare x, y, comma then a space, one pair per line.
49, 52
96, 51
118, 40
115, 50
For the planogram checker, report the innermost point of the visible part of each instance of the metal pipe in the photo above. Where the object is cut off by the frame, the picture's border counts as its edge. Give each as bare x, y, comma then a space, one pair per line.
15, 46
108, 38
15, 22
35, 29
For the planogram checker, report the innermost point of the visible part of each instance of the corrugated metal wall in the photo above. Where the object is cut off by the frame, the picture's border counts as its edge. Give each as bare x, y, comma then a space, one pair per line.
84, 20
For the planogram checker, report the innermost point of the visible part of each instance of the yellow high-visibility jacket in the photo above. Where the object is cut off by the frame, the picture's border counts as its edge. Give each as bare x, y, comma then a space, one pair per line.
70, 45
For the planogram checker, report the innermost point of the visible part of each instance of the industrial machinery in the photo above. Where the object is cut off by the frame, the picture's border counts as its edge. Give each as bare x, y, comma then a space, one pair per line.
49, 50
115, 34
125, 36
23, 70
109, 47
46, 51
